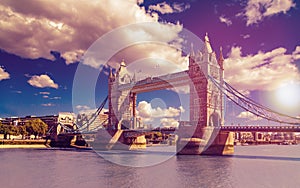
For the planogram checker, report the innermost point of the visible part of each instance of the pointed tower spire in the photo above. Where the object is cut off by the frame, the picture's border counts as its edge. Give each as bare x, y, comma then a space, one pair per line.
123, 64
192, 56
121, 67
192, 53
221, 58
110, 73
207, 44
134, 77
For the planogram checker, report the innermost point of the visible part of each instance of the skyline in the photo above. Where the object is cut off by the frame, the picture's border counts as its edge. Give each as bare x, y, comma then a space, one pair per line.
42, 43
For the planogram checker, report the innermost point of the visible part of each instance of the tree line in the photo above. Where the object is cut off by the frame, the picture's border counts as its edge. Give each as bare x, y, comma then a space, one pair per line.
34, 127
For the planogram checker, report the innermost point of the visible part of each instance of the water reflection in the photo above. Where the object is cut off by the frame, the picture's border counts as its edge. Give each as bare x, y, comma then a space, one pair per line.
257, 166
143, 158
272, 158
204, 171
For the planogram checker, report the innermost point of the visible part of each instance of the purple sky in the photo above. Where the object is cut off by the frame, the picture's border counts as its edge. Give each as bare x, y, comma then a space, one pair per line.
42, 42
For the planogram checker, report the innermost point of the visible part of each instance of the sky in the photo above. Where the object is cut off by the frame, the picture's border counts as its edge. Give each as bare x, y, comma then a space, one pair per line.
43, 44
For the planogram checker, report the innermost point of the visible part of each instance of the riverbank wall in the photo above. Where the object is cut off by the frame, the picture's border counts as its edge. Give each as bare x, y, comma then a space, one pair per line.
28, 143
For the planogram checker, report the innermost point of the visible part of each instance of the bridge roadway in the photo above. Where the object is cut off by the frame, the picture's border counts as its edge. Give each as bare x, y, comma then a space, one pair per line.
233, 128
127, 132
255, 128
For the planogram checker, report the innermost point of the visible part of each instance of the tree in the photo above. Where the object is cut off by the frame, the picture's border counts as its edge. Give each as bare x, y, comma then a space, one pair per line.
4, 129
22, 131
13, 130
36, 127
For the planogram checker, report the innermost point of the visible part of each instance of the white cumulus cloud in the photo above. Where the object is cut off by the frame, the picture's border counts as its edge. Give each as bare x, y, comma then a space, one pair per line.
48, 104
225, 20
71, 27
55, 98
245, 36
261, 71
169, 122
72, 56
44, 93
82, 107
249, 116
296, 53
256, 11
3, 74
148, 113
165, 8
42, 81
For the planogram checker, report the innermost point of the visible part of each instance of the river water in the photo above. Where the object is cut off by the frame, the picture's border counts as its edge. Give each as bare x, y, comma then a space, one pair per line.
250, 166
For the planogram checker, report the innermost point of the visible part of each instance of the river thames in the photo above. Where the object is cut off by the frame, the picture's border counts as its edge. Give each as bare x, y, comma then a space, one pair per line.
250, 166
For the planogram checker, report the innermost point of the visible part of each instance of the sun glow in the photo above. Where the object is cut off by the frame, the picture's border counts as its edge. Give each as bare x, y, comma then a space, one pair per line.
288, 95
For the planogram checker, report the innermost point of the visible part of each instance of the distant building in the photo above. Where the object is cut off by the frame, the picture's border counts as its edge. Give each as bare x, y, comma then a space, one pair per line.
91, 122
184, 123
51, 120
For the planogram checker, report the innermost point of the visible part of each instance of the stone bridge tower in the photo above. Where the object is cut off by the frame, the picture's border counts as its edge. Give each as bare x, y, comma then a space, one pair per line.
206, 100
121, 102
206, 106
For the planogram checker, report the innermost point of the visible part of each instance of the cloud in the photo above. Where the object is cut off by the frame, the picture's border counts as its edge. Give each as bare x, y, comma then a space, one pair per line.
48, 104
261, 71
17, 91
144, 109
147, 113
70, 27
249, 116
256, 11
225, 20
165, 8
42, 81
55, 98
169, 122
44, 93
245, 36
72, 56
181, 89
3, 74
180, 7
140, 2
296, 53
82, 107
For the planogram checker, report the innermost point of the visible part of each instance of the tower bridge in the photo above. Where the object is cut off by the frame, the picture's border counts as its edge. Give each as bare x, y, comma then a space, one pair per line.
206, 101
206, 133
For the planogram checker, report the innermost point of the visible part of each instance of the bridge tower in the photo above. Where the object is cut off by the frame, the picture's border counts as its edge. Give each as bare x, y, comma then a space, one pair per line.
206, 100
122, 113
206, 106
121, 102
